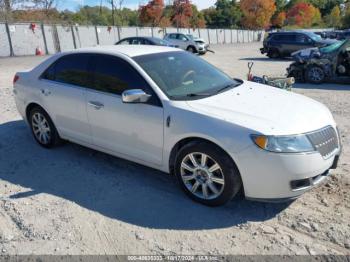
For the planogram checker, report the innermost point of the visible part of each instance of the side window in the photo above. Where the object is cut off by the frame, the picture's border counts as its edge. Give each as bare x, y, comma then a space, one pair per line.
70, 69
115, 75
288, 38
124, 42
182, 37
301, 38
172, 36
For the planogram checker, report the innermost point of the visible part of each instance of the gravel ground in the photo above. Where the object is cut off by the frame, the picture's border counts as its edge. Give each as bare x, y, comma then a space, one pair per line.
73, 200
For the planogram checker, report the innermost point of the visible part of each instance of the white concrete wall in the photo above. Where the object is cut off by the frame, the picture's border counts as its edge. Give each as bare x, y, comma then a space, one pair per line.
25, 41
4, 42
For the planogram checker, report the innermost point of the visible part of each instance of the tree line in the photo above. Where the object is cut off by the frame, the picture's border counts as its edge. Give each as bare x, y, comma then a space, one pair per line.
251, 14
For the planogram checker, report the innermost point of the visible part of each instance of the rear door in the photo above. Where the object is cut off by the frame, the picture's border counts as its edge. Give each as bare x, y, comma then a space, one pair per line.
134, 130
62, 86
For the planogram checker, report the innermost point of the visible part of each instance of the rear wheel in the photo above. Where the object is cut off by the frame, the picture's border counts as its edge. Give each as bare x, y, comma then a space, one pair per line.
207, 174
273, 53
315, 74
43, 129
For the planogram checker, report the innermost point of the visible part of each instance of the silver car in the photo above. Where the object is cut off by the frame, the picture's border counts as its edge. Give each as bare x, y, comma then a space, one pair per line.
186, 42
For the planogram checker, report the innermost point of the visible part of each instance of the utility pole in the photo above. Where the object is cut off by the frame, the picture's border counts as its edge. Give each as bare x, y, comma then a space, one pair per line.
8, 10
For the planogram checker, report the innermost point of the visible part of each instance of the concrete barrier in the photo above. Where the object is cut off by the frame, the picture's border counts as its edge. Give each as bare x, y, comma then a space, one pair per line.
22, 39
25, 40
213, 38
204, 34
107, 35
145, 31
66, 39
4, 42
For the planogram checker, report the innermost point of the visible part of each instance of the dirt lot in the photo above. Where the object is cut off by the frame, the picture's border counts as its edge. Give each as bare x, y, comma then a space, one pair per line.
73, 200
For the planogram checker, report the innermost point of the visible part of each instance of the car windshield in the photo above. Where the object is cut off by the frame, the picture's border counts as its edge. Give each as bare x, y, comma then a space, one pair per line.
183, 76
332, 47
315, 37
190, 37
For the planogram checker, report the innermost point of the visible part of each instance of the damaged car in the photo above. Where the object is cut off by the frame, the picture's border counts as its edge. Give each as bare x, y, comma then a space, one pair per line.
324, 64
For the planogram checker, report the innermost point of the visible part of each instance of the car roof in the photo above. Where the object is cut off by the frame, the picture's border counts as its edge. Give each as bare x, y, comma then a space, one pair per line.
141, 37
128, 50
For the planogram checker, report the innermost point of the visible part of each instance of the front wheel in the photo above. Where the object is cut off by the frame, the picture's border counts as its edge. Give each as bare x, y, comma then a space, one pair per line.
315, 74
191, 49
207, 174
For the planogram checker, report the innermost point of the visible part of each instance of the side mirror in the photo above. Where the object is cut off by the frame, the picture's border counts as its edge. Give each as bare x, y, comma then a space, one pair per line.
135, 96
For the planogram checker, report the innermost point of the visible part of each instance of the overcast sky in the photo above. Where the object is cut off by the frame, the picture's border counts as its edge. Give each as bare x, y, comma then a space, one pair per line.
133, 4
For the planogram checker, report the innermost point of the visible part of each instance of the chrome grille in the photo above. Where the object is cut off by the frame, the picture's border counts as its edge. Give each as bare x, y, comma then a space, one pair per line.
325, 141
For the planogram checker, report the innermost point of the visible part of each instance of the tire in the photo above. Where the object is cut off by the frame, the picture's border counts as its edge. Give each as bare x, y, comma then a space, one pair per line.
43, 129
214, 180
191, 49
315, 74
273, 53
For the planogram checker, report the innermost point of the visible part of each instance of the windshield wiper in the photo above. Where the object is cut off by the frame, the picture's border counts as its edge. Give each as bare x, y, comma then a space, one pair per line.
227, 87
198, 94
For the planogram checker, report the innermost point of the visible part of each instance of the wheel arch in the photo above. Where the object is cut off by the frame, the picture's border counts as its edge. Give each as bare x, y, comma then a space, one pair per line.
192, 46
193, 139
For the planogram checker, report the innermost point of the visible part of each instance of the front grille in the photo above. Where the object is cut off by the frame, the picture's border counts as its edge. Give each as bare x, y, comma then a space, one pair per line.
325, 141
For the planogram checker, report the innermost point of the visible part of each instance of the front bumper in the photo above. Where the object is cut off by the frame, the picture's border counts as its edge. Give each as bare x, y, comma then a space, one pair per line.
275, 177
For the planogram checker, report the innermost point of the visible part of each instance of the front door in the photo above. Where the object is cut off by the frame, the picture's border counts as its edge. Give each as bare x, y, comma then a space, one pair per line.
134, 130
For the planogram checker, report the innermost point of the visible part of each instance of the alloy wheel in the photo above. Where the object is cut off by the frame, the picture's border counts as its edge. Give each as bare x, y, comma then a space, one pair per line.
41, 128
202, 176
316, 74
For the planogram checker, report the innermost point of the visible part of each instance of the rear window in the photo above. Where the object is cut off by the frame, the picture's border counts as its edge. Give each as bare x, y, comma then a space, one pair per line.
69, 69
284, 38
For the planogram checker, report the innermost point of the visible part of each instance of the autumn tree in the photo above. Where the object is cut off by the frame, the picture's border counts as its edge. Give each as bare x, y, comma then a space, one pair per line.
152, 13
257, 13
304, 15
181, 13
334, 18
279, 20
197, 19
346, 17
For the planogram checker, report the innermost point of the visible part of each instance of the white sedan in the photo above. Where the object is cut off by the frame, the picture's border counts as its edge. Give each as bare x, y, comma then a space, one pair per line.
170, 110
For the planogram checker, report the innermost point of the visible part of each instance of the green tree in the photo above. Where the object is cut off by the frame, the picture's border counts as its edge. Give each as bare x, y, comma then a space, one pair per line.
226, 13
334, 18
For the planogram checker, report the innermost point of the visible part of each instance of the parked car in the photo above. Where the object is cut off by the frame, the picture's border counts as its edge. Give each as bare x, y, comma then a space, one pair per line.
144, 40
170, 110
325, 64
186, 43
283, 44
342, 35
202, 45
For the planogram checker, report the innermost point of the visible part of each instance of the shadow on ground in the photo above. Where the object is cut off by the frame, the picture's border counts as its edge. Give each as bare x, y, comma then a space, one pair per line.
325, 86
112, 187
265, 59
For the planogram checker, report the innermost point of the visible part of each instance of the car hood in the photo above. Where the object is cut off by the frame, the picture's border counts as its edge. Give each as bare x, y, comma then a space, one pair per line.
327, 41
265, 109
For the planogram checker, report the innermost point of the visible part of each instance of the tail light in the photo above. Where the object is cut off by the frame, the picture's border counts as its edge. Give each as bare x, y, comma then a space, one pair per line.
15, 79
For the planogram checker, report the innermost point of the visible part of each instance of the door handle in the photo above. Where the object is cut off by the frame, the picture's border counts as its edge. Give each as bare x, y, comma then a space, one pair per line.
45, 92
96, 105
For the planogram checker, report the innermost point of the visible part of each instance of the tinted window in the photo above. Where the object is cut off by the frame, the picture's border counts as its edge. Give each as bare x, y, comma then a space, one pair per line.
70, 69
182, 37
115, 75
137, 41
124, 42
302, 38
172, 36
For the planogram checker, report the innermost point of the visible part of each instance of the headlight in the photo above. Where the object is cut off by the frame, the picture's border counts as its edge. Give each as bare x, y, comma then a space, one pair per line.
284, 144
